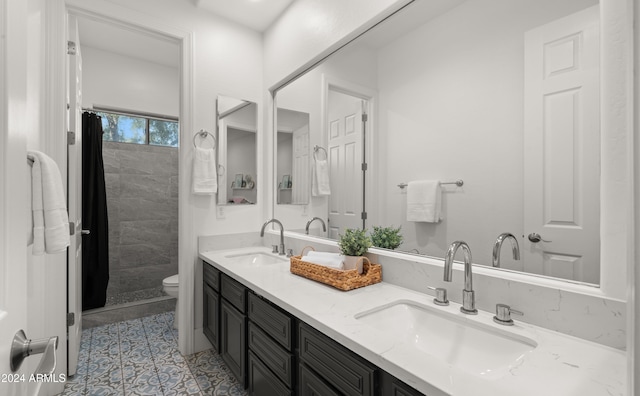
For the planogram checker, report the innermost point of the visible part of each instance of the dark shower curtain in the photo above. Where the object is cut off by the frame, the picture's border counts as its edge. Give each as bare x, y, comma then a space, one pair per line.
95, 244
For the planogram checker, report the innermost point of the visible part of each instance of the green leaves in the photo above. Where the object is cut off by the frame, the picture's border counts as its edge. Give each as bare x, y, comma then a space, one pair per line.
386, 237
354, 242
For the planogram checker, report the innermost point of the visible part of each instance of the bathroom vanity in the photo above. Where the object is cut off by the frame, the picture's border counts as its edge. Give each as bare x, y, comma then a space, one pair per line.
302, 337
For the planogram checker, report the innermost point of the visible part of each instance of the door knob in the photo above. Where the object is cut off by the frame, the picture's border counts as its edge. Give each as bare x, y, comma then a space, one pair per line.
85, 232
535, 238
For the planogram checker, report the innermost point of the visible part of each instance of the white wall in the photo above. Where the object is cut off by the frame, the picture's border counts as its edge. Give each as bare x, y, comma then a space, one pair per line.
451, 100
309, 27
114, 80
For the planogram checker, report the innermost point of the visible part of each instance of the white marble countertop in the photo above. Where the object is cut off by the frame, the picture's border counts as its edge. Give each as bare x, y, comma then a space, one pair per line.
560, 365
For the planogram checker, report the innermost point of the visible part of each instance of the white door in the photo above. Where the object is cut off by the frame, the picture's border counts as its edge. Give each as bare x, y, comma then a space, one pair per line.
345, 162
14, 176
74, 196
562, 148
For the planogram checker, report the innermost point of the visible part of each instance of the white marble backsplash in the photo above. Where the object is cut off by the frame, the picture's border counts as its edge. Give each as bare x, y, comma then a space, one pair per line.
566, 308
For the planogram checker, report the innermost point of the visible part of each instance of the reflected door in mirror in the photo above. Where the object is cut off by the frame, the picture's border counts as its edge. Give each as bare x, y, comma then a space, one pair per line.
562, 141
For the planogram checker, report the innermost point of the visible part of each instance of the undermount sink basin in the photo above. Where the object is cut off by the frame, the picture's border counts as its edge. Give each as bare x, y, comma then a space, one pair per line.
257, 258
468, 345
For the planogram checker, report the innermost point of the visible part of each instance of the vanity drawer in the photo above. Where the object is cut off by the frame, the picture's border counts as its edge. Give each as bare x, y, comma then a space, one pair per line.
234, 292
211, 276
346, 371
262, 382
311, 385
272, 354
272, 320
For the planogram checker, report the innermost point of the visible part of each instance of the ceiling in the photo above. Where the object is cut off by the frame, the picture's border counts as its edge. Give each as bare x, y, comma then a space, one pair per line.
255, 14
129, 41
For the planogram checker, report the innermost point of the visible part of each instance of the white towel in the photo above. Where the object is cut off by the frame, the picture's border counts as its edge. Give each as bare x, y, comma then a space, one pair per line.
320, 185
49, 205
424, 201
333, 260
205, 177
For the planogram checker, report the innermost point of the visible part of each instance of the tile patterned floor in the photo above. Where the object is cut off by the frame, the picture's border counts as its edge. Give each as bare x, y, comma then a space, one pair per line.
141, 357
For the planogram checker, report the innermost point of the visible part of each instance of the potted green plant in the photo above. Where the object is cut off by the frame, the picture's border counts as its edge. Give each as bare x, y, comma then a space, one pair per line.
353, 244
386, 237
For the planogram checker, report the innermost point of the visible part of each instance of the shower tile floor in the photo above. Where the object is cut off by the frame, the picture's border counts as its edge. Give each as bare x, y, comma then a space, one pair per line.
141, 357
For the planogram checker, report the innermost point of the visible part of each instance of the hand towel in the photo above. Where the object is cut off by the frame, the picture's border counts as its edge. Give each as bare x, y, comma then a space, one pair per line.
205, 177
49, 205
424, 200
333, 260
320, 184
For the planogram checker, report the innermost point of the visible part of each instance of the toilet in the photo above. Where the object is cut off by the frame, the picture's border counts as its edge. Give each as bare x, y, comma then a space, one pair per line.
170, 286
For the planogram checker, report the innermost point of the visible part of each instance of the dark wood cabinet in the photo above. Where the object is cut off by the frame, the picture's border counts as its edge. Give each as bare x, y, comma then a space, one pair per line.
392, 386
262, 381
211, 319
312, 385
233, 327
347, 372
273, 353
272, 344
211, 307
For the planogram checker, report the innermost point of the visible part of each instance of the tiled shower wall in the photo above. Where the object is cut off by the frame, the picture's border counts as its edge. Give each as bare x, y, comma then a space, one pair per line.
142, 205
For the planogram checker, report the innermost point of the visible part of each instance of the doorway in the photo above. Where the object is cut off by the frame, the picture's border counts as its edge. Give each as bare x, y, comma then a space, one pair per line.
131, 79
349, 133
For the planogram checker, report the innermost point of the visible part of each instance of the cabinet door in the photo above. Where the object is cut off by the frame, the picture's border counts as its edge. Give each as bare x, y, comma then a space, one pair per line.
211, 320
233, 350
312, 385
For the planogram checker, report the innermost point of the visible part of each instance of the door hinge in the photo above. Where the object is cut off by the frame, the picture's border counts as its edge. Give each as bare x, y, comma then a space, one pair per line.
71, 138
71, 319
71, 48
363, 215
72, 228
364, 166
365, 117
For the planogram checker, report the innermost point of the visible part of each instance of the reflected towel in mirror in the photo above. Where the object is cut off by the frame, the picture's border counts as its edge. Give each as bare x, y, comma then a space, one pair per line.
320, 185
424, 201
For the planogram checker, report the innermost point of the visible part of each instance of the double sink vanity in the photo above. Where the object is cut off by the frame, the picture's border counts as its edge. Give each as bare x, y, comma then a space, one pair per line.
284, 334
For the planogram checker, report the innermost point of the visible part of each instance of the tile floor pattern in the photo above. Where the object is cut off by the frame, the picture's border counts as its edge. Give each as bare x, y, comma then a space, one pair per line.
141, 357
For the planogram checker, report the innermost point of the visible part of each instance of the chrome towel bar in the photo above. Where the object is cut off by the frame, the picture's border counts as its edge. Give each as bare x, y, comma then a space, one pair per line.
458, 183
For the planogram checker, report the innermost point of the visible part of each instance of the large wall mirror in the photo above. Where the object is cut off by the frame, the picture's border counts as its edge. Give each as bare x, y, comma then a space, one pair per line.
237, 151
503, 95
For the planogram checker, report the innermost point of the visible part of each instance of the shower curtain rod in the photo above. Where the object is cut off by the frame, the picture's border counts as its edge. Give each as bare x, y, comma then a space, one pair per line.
117, 110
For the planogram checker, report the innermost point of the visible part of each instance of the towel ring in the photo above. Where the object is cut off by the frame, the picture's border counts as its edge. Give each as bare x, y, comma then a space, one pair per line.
317, 148
204, 134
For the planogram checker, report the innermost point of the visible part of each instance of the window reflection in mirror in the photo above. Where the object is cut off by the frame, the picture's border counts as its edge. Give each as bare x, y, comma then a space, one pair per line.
237, 151
457, 100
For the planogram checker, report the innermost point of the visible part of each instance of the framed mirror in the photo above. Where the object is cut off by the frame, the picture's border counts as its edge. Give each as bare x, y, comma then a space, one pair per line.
449, 99
292, 158
237, 151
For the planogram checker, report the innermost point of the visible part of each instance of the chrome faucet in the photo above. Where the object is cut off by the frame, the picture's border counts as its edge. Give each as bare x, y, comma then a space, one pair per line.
281, 250
498, 245
468, 295
324, 226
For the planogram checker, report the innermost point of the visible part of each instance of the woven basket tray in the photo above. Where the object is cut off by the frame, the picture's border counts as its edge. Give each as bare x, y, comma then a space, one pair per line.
340, 279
